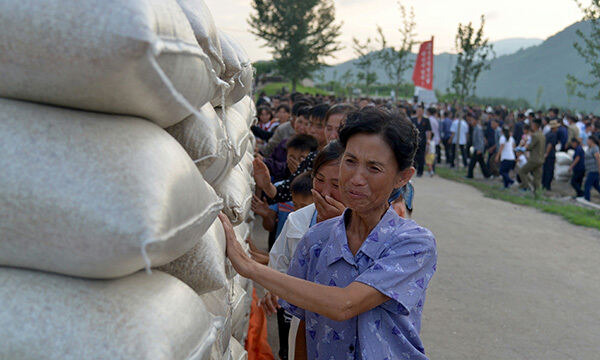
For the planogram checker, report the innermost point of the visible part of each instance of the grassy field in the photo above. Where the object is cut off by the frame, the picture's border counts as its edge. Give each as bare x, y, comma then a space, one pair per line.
574, 214
274, 88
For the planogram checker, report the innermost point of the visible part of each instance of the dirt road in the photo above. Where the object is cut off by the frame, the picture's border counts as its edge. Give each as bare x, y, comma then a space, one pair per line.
511, 282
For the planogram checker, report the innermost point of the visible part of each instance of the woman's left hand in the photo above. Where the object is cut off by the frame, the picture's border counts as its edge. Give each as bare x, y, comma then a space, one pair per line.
236, 254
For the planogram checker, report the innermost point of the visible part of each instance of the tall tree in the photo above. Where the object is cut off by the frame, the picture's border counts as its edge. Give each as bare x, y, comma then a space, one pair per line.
396, 60
300, 34
589, 50
474, 55
366, 56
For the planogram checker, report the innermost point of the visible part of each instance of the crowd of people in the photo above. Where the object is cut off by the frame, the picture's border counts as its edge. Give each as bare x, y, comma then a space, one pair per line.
302, 149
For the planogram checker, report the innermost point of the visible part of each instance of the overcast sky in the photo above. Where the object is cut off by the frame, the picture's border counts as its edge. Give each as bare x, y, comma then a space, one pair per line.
439, 18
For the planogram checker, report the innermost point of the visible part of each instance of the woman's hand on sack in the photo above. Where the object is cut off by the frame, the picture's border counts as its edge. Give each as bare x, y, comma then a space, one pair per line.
262, 176
327, 207
236, 254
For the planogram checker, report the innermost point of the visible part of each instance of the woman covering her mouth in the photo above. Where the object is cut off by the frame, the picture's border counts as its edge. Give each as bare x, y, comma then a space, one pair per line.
358, 281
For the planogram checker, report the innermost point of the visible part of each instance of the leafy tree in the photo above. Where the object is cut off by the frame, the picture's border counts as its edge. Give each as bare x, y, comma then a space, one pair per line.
474, 53
299, 33
366, 57
396, 60
589, 50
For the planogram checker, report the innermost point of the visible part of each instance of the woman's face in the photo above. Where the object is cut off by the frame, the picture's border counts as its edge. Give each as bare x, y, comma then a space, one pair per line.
282, 115
316, 130
333, 125
369, 173
301, 125
326, 180
264, 117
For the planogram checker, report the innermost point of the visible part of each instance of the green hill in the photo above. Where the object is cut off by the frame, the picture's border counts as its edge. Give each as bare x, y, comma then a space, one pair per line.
518, 75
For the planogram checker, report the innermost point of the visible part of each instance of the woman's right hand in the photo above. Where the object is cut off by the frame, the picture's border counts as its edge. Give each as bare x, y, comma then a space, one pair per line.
327, 207
269, 303
262, 176
236, 254
259, 206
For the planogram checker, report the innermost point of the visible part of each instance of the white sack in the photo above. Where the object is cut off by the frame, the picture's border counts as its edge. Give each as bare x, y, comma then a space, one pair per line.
240, 316
238, 132
246, 108
563, 158
146, 317
238, 72
85, 194
204, 267
205, 31
132, 57
203, 137
237, 351
236, 192
218, 303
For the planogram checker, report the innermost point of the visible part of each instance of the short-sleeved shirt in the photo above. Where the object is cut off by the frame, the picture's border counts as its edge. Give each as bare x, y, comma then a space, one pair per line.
424, 125
591, 164
551, 138
398, 258
580, 166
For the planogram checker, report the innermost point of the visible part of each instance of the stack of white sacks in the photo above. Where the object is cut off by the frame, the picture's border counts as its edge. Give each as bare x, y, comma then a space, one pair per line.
124, 130
563, 163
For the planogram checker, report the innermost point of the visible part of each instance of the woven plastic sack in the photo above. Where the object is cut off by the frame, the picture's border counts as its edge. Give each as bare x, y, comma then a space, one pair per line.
146, 317
246, 108
236, 192
563, 158
94, 195
237, 351
219, 304
238, 72
240, 316
132, 57
203, 137
203, 267
238, 132
205, 31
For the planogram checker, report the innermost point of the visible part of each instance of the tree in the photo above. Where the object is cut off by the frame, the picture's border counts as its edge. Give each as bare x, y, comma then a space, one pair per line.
366, 57
396, 60
589, 49
474, 52
299, 33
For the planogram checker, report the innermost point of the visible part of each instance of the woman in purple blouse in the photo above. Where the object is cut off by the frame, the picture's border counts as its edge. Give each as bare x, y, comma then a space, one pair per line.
358, 281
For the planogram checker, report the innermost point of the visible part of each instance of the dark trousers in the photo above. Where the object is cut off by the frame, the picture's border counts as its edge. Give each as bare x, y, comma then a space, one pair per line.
548, 173
283, 325
577, 181
447, 149
454, 155
492, 164
592, 181
505, 167
478, 158
438, 154
420, 162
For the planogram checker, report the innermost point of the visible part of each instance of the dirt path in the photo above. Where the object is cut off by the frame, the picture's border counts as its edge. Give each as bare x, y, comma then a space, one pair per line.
512, 282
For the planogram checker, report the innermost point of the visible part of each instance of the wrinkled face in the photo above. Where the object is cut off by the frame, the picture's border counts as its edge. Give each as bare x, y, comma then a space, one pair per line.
326, 181
297, 155
264, 117
282, 115
317, 131
333, 125
369, 173
301, 200
301, 125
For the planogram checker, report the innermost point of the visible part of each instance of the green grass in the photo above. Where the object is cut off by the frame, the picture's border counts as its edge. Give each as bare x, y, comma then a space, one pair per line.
574, 214
274, 88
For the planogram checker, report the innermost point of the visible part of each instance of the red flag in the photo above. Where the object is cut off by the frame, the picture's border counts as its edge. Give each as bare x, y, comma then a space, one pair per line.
423, 73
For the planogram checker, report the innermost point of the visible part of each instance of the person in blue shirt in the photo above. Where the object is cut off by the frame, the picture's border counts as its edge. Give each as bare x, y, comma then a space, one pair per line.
358, 281
577, 168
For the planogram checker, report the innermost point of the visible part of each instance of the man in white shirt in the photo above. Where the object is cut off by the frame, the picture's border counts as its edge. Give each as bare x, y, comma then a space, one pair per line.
435, 130
459, 131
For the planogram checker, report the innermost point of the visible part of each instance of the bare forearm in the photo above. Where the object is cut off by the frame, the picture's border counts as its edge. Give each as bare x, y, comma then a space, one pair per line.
268, 222
270, 190
328, 301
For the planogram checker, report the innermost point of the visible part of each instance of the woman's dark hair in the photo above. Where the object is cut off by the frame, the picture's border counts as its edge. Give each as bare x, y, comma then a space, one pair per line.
506, 132
332, 152
302, 184
260, 110
339, 109
302, 142
399, 133
285, 107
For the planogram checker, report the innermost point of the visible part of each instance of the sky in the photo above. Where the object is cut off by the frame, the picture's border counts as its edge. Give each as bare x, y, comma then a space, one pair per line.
438, 18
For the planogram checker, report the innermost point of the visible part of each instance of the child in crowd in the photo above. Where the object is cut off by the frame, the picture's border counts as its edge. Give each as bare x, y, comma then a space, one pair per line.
430, 156
521, 160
